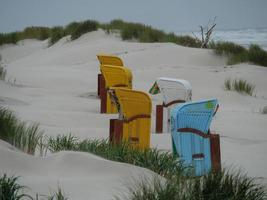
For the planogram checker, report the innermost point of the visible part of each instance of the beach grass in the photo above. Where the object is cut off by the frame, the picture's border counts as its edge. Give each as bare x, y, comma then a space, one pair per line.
239, 85
264, 110
10, 189
57, 195
163, 163
12, 130
84, 27
137, 32
238, 54
2, 73
145, 33
56, 33
221, 185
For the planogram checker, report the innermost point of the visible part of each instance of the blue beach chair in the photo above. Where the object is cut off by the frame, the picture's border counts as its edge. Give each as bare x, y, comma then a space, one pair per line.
191, 139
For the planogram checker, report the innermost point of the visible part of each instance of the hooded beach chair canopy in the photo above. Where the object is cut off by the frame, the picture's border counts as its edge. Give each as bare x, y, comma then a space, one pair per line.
133, 103
174, 90
109, 60
135, 113
190, 124
117, 76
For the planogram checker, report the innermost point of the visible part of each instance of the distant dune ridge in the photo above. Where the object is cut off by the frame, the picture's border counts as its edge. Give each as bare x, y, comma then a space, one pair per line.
56, 87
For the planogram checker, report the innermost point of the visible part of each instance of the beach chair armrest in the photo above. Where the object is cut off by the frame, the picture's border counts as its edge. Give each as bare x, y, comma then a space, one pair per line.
136, 117
194, 131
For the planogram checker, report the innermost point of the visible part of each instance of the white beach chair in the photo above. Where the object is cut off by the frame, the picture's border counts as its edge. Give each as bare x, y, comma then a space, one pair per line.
173, 91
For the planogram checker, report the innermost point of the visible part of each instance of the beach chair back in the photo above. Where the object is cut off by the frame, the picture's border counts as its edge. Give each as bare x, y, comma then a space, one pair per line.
109, 60
173, 91
115, 76
135, 111
106, 60
190, 123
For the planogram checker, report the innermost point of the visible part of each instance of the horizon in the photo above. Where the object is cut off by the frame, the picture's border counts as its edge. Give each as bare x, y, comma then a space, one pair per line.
237, 15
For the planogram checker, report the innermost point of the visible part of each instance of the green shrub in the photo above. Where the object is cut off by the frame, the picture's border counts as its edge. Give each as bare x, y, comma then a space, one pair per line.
84, 27
56, 34
241, 86
11, 190
17, 133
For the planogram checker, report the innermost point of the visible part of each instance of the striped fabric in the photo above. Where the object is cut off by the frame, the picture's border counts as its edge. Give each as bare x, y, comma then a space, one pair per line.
154, 89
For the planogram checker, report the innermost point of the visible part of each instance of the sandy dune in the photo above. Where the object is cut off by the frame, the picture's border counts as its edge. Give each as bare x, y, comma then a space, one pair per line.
56, 87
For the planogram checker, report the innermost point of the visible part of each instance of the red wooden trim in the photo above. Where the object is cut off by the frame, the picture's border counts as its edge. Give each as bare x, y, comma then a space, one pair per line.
216, 110
103, 100
120, 85
173, 102
159, 118
198, 155
115, 131
134, 139
195, 131
136, 117
98, 84
101, 84
215, 152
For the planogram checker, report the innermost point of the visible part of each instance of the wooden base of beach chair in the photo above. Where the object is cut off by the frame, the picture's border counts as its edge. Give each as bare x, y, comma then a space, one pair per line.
160, 112
115, 131
159, 118
215, 152
100, 84
103, 97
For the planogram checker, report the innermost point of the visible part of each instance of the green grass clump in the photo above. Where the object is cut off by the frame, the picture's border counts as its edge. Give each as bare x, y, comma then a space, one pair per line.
62, 143
2, 73
141, 33
9, 38
35, 32
227, 48
23, 136
239, 85
58, 195
11, 190
264, 110
213, 186
56, 34
238, 54
83, 27
257, 55
144, 33
163, 163
71, 28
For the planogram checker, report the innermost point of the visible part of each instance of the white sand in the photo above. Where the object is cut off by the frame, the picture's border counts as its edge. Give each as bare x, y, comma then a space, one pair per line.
56, 87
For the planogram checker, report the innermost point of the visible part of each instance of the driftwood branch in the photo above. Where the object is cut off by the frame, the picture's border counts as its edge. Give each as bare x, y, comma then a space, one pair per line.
206, 35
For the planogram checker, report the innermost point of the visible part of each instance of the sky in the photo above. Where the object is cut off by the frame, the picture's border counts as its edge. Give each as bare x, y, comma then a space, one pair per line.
169, 15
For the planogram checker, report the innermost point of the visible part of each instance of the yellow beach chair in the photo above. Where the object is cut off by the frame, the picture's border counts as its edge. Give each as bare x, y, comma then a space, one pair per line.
109, 60
134, 123
114, 76
106, 60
